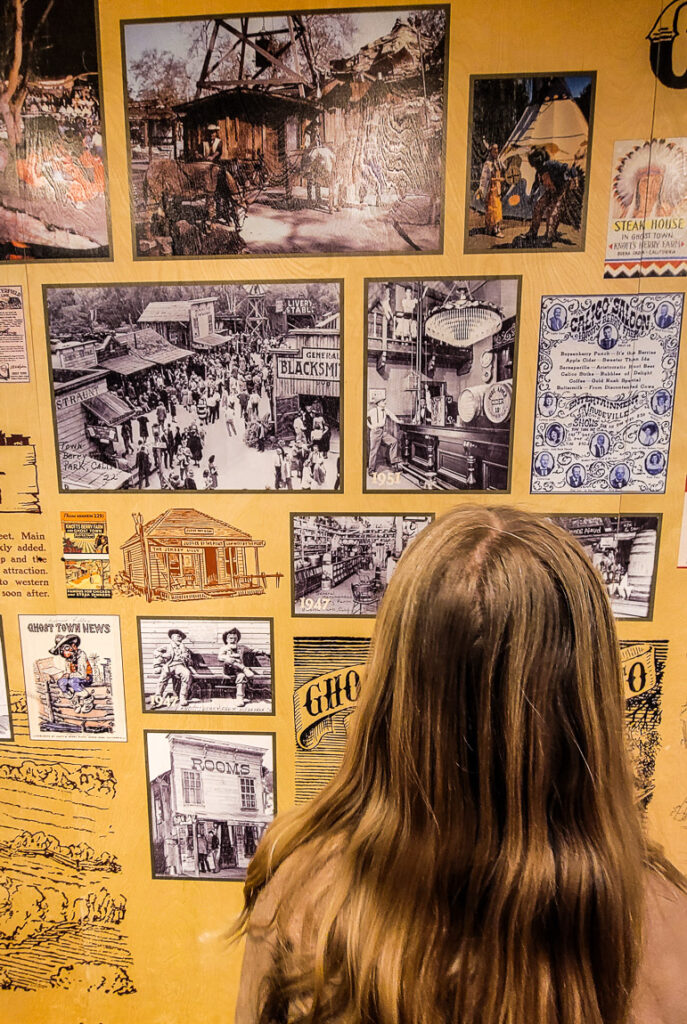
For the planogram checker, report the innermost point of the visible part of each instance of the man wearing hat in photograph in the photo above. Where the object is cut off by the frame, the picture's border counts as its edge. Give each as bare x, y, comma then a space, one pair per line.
234, 656
379, 435
78, 673
172, 662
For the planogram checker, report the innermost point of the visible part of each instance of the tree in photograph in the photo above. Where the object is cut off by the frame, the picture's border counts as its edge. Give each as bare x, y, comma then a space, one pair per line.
159, 76
21, 26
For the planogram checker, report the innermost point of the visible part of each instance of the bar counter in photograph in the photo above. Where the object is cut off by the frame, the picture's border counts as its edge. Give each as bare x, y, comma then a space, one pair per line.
441, 359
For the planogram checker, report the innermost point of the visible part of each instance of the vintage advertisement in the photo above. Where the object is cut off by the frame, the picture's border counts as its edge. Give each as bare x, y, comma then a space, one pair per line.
186, 555
307, 133
73, 677
226, 387
528, 162
14, 357
18, 474
52, 184
605, 391
643, 665
624, 549
440, 368
205, 666
85, 554
327, 677
211, 797
343, 564
647, 216
5, 716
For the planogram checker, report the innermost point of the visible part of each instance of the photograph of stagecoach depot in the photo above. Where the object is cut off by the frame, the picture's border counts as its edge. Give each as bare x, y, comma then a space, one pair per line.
296, 132
440, 391
225, 387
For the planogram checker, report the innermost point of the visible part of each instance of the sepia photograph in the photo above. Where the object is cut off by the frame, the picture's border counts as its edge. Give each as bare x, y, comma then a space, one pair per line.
206, 666
227, 387
211, 797
342, 564
73, 677
53, 197
528, 162
290, 133
625, 551
441, 357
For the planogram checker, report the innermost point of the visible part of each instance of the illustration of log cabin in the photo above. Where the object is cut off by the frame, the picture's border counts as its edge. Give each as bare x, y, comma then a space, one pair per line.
185, 555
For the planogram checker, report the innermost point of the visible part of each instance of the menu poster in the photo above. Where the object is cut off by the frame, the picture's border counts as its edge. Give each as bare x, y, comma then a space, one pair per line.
605, 389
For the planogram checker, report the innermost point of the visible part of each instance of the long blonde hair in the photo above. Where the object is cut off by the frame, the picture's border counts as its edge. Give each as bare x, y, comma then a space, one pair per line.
479, 858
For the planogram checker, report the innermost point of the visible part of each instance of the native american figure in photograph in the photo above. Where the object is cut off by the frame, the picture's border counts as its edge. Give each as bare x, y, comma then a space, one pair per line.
52, 171
529, 162
291, 133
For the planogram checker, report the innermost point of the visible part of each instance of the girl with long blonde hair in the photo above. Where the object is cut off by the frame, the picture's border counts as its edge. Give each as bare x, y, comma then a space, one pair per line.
480, 857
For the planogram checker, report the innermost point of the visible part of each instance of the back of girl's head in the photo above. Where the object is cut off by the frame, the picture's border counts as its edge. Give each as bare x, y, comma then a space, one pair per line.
479, 856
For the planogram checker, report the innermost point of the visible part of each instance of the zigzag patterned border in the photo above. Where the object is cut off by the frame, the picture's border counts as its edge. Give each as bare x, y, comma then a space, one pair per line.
645, 268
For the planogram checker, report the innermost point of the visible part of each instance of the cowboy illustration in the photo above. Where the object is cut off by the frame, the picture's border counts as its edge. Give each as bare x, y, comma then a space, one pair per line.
77, 678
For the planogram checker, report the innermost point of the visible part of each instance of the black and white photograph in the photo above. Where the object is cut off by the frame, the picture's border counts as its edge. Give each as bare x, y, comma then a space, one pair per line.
300, 132
206, 666
211, 797
440, 383
342, 564
625, 551
528, 162
605, 384
53, 188
227, 387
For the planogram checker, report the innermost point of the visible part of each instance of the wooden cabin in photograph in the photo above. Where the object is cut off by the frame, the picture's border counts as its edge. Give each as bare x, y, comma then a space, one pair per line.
185, 555
181, 322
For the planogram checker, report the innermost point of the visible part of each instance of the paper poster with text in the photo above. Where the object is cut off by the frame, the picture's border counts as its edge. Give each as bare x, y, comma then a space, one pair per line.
647, 215
14, 360
73, 677
605, 392
86, 554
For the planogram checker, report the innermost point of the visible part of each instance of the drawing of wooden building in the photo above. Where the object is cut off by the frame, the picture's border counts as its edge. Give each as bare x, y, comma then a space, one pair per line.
185, 555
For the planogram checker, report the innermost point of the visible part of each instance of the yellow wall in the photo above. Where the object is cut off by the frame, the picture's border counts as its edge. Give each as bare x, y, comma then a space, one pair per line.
177, 972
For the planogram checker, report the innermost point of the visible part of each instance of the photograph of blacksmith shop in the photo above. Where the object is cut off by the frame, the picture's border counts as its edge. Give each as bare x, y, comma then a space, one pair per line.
186, 555
293, 132
342, 565
211, 797
227, 387
206, 666
441, 357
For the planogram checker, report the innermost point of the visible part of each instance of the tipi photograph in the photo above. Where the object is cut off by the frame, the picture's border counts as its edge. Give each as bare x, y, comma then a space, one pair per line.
528, 162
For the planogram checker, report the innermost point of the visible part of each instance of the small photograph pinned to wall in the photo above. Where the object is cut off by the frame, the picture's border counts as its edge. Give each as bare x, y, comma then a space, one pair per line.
18, 474
6, 732
73, 677
186, 555
643, 665
300, 132
54, 190
342, 564
86, 554
605, 391
647, 216
14, 357
211, 797
528, 162
226, 387
328, 672
440, 383
625, 551
206, 666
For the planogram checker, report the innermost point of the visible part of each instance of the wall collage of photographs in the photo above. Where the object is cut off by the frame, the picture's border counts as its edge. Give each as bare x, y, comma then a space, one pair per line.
208, 396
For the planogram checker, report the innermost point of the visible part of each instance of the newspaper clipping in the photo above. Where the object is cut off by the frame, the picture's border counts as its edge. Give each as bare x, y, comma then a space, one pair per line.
14, 359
